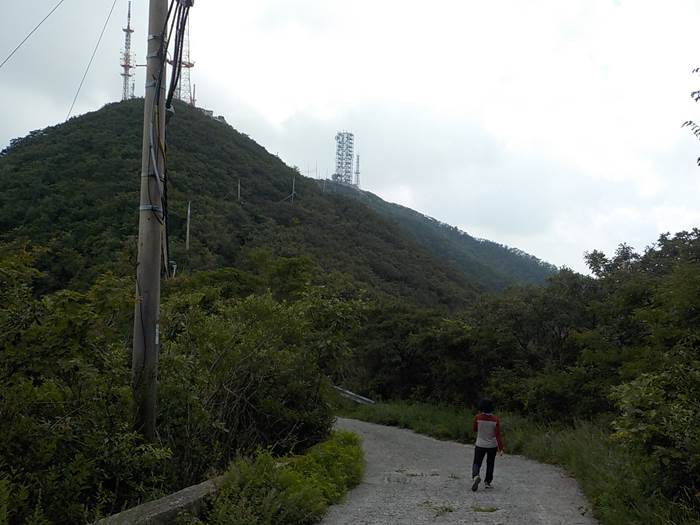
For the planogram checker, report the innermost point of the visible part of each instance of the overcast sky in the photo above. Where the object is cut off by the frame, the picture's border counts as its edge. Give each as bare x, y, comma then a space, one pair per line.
552, 126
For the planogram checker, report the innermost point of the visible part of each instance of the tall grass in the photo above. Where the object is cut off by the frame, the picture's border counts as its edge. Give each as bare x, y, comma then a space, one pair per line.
293, 490
616, 481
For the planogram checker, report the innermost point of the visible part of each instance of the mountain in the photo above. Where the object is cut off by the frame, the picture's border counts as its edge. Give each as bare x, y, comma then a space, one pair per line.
493, 265
74, 188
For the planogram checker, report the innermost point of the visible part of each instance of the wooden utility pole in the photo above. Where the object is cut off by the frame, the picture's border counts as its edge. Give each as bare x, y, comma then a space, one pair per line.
151, 222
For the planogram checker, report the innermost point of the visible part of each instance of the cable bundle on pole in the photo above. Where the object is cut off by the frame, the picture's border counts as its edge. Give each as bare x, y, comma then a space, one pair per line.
173, 30
180, 18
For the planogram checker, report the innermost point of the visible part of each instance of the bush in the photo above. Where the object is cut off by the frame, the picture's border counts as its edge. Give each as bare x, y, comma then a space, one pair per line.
67, 451
235, 374
238, 375
660, 417
293, 490
553, 394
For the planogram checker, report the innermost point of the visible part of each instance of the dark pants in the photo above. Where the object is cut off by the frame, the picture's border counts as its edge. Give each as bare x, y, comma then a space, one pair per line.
479, 453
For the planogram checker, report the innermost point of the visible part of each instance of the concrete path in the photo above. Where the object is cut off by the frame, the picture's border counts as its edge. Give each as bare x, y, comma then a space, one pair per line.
412, 479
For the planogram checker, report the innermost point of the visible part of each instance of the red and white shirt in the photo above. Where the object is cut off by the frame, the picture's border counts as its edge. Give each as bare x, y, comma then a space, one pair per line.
487, 428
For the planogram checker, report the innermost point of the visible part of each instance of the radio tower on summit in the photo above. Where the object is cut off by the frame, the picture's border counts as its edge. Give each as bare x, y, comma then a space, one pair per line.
344, 157
127, 61
184, 91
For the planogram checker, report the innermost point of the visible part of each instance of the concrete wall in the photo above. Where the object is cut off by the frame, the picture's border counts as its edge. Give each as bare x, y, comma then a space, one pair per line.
165, 510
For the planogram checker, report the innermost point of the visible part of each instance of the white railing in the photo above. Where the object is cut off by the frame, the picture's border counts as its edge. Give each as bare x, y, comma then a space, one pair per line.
352, 396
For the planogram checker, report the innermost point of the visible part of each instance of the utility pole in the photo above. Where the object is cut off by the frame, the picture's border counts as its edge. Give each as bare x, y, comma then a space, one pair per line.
187, 238
151, 219
239, 190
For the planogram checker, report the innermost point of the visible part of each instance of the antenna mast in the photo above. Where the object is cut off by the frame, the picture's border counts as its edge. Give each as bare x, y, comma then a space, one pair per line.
184, 91
344, 156
127, 61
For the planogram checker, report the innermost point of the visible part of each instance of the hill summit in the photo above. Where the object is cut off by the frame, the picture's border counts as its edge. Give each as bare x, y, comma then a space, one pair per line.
74, 188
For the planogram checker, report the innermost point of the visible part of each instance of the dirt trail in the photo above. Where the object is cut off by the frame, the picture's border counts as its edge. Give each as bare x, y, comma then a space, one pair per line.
413, 479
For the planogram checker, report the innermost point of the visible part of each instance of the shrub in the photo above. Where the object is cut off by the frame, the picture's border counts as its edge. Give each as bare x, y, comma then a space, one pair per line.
292, 490
242, 376
660, 417
67, 451
236, 373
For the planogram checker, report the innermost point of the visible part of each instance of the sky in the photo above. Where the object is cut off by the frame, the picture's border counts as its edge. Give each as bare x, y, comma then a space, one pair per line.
550, 125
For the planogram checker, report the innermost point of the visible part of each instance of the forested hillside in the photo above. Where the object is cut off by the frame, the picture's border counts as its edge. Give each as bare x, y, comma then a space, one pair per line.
74, 187
497, 266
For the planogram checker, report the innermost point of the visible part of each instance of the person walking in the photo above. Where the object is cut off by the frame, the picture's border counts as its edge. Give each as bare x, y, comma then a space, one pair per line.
487, 428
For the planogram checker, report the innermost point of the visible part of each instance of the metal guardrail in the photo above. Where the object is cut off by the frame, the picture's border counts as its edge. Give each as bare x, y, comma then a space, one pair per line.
352, 396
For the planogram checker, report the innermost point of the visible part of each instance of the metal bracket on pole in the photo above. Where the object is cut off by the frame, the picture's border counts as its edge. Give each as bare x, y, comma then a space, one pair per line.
151, 207
151, 83
154, 37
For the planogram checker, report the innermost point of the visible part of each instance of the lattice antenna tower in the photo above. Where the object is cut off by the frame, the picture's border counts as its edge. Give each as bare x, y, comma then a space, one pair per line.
184, 91
357, 172
127, 61
344, 156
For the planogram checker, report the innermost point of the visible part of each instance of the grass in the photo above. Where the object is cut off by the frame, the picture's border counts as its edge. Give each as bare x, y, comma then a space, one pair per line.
437, 421
615, 480
438, 509
293, 490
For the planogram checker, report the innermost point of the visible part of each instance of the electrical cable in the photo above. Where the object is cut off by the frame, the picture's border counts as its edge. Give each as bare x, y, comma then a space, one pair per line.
175, 26
178, 26
104, 28
180, 36
30, 34
162, 178
155, 117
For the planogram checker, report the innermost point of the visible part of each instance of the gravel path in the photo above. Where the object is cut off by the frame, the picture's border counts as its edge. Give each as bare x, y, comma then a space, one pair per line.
413, 479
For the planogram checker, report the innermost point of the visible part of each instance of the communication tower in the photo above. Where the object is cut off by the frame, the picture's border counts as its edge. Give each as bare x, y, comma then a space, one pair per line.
184, 91
357, 172
344, 156
127, 61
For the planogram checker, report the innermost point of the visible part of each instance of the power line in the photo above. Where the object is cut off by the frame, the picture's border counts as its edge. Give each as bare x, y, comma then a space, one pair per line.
104, 28
30, 34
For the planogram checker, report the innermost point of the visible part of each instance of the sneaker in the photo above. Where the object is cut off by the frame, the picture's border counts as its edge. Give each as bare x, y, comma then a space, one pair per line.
476, 480
487, 485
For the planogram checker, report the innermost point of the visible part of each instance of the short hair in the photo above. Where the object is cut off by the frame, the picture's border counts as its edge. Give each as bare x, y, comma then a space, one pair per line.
486, 405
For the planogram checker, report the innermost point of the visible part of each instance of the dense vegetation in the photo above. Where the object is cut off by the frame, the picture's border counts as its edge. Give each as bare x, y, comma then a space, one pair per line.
496, 266
74, 187
243, 365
